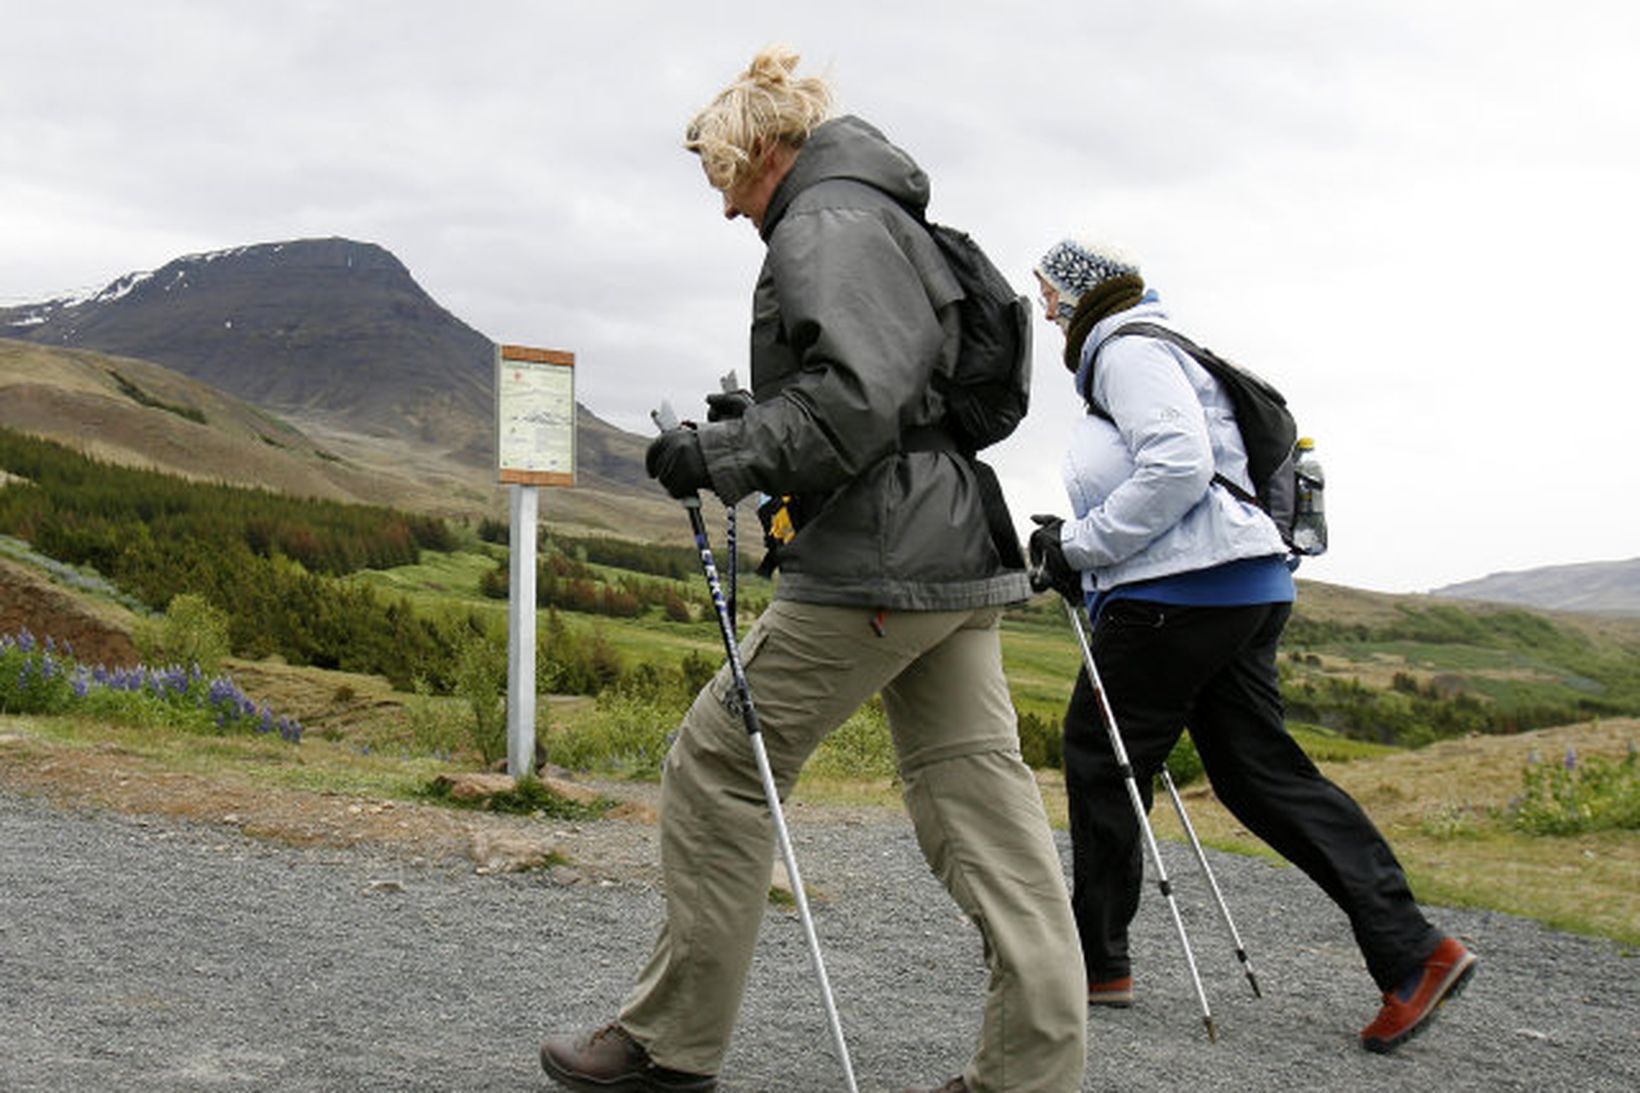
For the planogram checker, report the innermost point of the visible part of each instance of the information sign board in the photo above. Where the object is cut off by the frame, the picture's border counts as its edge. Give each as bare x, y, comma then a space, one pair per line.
535, 415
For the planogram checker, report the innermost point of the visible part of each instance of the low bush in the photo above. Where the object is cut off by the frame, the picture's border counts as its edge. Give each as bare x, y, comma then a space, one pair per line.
1041, 741
481, 683
860, 748
1574, 797
191, 631
626, 733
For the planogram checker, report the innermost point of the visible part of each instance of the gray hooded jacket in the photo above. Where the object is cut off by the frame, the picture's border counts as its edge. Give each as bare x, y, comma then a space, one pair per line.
851, 319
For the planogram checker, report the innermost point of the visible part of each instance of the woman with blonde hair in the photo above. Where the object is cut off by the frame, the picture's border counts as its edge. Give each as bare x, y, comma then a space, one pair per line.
890, 583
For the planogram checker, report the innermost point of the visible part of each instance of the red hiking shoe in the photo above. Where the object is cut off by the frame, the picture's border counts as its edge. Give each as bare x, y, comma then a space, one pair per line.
1409, 1008
1115, 993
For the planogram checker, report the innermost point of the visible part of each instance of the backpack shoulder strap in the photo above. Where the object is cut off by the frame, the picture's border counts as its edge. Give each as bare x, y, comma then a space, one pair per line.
1166, 334
1140, 329
1157, 331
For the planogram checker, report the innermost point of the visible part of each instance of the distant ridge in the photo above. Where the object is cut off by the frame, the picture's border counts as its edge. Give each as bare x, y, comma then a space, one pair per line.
1607, 588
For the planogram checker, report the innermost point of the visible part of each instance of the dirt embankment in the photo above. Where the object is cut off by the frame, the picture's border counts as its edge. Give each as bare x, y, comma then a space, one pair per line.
29, 601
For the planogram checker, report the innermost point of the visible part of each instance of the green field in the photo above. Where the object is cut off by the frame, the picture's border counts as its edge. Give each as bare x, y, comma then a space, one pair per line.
1480, 703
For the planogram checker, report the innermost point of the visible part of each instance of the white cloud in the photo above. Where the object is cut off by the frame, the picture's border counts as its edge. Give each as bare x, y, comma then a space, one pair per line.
1417, 218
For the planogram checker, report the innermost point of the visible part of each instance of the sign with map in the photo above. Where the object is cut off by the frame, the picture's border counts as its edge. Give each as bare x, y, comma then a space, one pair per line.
535, 415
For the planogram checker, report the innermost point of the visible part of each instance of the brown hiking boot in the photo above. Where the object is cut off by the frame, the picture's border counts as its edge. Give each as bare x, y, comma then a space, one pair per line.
609, 1060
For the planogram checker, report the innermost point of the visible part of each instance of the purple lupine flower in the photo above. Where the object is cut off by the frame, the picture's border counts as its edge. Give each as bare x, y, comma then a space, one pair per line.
51, 644
82, 683
158, 682
1571, 757
220, 692
25, 640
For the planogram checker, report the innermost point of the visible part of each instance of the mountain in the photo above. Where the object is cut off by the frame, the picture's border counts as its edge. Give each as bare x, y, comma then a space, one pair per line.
1611, 588
334, 340
330, 327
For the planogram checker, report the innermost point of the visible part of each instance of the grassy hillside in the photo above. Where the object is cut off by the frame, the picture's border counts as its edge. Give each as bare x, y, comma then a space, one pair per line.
133, 412
1436, 715
136, 413
321, 583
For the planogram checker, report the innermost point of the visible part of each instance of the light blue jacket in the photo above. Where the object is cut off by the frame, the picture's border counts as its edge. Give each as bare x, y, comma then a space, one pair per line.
1141, 487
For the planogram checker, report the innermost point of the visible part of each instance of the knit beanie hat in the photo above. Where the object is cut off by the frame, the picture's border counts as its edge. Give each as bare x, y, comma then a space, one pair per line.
1075, 267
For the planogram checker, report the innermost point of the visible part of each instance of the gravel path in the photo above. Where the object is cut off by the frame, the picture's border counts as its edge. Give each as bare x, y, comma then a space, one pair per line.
140, 953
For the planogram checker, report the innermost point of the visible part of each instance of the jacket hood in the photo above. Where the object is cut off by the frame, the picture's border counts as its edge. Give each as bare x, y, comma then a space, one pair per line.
850, 148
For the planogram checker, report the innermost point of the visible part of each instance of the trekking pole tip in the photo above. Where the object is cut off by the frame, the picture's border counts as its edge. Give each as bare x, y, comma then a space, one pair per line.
1253, 979
1212, 1029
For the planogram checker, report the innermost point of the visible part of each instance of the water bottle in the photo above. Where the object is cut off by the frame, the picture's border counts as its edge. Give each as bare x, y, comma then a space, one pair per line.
1309, 509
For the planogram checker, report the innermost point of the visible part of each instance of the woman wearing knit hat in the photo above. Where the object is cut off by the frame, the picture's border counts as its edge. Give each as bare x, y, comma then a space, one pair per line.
1189, 588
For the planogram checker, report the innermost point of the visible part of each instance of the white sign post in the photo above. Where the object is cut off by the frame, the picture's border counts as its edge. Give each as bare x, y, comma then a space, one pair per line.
535, 446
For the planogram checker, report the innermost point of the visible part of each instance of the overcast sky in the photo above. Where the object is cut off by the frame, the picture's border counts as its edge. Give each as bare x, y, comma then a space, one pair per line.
1418, 218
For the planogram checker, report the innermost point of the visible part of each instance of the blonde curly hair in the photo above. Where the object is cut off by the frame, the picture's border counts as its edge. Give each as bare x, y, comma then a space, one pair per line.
765, 105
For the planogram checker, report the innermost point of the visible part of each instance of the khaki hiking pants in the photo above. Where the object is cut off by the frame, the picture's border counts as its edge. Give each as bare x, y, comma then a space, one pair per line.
975, 806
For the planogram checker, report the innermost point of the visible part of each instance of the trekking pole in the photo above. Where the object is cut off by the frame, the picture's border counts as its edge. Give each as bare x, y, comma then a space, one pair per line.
731, 546
1212, 882
666, 419
1162, 883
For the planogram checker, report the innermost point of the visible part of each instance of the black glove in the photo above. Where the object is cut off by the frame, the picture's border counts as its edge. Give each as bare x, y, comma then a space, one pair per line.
728, 405
1049, 569
674, 459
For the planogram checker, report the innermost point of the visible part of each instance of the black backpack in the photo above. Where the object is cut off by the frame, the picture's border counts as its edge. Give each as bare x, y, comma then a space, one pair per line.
1268, 431
989, 390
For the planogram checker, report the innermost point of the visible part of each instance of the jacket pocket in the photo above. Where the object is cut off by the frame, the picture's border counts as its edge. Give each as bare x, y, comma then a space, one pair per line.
722, 688
1136, 614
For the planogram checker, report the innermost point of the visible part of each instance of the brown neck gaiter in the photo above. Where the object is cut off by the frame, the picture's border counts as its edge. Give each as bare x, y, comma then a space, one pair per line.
1105, 298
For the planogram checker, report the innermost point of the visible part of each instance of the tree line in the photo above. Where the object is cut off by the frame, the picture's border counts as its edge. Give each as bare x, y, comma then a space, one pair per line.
271, 562
274, 565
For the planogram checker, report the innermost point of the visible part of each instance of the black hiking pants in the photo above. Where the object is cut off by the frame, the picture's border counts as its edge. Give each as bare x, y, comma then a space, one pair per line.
1213, 670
